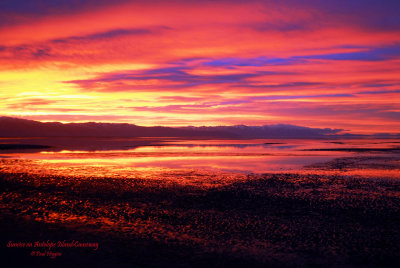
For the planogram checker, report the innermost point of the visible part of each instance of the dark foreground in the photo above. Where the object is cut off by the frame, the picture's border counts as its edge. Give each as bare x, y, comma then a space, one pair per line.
284, 220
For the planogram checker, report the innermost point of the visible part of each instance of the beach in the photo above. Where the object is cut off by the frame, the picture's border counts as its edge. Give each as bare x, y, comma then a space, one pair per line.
196, 220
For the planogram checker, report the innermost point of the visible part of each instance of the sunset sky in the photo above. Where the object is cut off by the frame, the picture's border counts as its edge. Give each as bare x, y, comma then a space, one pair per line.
314, 63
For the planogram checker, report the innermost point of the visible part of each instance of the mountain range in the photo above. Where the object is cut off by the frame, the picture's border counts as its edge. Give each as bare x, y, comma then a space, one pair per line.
16, 127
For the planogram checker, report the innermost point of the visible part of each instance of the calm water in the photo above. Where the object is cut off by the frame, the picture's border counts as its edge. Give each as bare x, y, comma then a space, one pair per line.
231, 156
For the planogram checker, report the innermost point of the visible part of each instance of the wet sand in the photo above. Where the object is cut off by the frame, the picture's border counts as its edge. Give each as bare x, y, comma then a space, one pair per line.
266, 220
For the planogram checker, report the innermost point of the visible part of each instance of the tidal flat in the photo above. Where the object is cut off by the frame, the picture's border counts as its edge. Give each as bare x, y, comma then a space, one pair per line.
268, 220
160, 207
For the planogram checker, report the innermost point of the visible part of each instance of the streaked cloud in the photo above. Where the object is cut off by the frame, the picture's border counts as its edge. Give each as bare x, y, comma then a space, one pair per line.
314, 63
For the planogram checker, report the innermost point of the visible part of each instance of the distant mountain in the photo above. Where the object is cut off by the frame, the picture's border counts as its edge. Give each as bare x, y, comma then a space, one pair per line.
15, 127
270, 131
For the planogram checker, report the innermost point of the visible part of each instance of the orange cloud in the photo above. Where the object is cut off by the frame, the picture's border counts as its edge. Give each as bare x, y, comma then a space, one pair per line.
252, 62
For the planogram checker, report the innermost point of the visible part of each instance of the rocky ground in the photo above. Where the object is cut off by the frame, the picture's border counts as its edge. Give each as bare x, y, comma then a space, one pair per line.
268, 220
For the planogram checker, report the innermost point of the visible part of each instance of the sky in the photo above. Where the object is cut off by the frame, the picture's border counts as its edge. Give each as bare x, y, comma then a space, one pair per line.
314, 63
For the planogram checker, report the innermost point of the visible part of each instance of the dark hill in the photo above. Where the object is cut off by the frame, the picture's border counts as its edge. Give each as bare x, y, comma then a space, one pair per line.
15, 127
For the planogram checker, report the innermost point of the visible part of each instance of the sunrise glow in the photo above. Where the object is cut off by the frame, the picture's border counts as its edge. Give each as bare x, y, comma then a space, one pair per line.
318, 64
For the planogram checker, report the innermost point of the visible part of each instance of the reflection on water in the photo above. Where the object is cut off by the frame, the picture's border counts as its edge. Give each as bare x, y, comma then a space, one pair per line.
195, 197
243, 156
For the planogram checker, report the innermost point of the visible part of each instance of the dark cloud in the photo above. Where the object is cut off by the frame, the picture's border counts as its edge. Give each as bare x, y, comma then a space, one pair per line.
41, 52
115, 33
283, 26
23, 11
389, 115
369, 54
379, 85
292, 97
278, 86
379, 92
244, 62
178, 74
371, 15
26, 52
53, 49
363, 54
31, 103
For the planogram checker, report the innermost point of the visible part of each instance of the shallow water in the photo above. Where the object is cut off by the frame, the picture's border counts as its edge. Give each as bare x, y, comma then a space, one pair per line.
194, 199
213, 156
